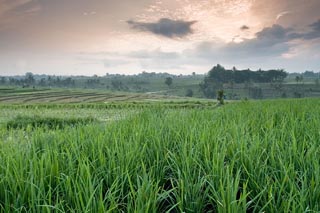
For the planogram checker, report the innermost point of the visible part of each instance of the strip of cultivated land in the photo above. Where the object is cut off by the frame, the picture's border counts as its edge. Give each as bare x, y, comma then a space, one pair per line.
248, 156
29, 96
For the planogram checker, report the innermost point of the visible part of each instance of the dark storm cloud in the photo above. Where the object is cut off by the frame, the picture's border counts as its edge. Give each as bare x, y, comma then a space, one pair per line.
165, 27
244, 27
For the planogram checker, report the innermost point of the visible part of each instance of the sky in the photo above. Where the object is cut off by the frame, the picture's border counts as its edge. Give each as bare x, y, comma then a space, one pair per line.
95, 37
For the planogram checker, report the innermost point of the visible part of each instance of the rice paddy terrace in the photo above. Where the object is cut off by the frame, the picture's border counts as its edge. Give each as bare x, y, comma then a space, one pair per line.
12, 96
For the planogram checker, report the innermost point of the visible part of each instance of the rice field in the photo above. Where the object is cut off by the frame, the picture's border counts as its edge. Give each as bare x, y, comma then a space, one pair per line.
247, 156
60, 96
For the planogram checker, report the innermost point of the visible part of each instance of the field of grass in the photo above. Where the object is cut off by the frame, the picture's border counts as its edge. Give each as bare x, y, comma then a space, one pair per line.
194, 157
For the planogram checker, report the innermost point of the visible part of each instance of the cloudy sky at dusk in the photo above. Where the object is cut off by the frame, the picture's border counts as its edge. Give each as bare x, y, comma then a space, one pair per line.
87, 37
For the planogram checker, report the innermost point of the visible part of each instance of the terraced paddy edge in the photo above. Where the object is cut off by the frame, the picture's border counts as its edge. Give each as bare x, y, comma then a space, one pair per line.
90, 99
242, 157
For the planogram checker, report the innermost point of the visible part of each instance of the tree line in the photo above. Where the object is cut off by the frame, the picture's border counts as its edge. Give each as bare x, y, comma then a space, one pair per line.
220, 74
30, 80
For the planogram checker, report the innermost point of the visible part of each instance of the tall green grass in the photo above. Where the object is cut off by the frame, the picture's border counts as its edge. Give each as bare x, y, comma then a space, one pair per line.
243, 157
25, 122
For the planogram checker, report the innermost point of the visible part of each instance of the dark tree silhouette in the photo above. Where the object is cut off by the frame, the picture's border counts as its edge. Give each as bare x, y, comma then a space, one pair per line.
168, 81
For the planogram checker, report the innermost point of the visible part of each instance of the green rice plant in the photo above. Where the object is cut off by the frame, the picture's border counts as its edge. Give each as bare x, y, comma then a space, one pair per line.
242, 157
26, 122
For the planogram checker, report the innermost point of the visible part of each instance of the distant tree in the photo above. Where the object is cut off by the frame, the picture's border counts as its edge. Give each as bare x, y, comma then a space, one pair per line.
29, 78
117, 84
42, 82
193, 74
220, 97
317, 82
12, 81
50, 80
209, 87
220, 74
234, 69
298, 91
68, 82
3, 80
309, 74
168, 81
299, 79
57, 81
189, 93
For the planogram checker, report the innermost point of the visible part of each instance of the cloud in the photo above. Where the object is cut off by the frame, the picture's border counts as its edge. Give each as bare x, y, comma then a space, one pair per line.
244, 27
165, 27
273, 35
284, 13
316, 25
109, 63
154, 54
11, 5
16, 10
269, 42
108, 59
269, 48
313, 34
157, 59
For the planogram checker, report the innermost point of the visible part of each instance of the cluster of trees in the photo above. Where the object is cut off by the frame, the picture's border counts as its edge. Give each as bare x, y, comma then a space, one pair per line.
142, 82
30, 80
218, 76
307, 74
